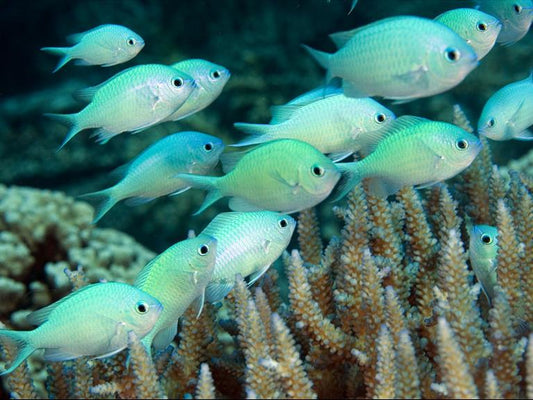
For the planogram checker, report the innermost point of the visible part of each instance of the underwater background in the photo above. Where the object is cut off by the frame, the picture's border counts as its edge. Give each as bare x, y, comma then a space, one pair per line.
258, 41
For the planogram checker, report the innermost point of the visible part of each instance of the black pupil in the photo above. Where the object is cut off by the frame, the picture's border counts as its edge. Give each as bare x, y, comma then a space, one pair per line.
491, 122
283, 223
216, 74
461, 144
517, 8
485, 239
317, 171
141, 308
208, 146
482, 27
204, 249
452, 55
130, 42
380, 118
178, 82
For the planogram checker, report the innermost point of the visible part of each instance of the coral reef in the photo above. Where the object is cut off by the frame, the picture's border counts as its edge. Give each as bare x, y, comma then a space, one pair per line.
389, 308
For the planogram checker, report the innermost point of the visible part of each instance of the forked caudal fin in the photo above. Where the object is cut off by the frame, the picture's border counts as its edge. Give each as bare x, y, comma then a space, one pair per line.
105, 200
21, 348
350, 177
69, 120
61, 51
206, 183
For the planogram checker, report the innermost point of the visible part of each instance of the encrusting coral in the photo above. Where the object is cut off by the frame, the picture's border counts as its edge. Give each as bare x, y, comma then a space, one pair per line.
388, 309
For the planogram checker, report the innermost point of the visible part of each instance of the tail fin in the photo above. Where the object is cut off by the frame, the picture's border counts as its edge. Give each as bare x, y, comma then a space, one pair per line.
258, 133
205, 183
69, 120
322, 58
350, 177
105, 200
61, 51
22, 349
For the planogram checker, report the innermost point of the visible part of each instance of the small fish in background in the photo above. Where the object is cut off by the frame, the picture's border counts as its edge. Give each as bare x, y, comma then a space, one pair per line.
515, 15
284, 175
210, 79
105, 45
92, 321
509, 112
334, 124
401, 58
247, 244
480, 30
177, 277
483, 250
132, 100
414, 152
153, 172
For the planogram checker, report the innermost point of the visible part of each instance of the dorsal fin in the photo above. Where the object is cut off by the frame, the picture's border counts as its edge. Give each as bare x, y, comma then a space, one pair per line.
283, 113
229, 160
316, 94
341, 38
142, 276
372, 139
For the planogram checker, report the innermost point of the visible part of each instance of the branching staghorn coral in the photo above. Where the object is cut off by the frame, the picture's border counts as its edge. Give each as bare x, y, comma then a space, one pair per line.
387, 308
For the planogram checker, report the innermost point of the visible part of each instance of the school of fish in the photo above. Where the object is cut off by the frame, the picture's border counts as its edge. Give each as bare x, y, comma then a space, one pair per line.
293, 163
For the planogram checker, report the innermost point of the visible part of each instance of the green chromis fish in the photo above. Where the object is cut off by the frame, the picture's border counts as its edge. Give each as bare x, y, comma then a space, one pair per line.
515, 16
177, 277
284, 175
480, 30
401, 58
247, 244
132, 100
152, 173
483, 251
105, 45
334, 124
509, 112
414, 152
210, 79
92, 321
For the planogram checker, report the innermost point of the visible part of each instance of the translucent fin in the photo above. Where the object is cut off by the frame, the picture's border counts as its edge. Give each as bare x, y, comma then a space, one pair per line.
354, 3
341, 38
215, 291
105, 201
206, 183
76, 37
64, 52
259, 133
165, 336
143, 274
230, 160
103, 135
350, 176
319, 93
70, 120
321, 57
198, 304
86, 95
23, 349
283, 113
524, 135
240, 204
338, 156
82, 63
58, 354
258, 274
139, 201
381, 188
179, 191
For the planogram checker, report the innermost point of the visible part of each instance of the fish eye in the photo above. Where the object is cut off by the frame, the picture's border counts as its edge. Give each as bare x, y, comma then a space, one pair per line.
215, 74
486, 239
208, 146
491, 122
481, 26
177, 82
131, 41
142, 307
517, 8
461, 144
452, 55
317, 170
380, 118
283, 223
203, 250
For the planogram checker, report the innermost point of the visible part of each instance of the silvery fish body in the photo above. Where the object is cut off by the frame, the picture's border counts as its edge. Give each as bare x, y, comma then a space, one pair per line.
284, 175
483, 251
400, 58
176, 278
132, 100
105, 45
247, 244
509, 112
480, 30
333, 123
210, 79
515, 16
415, 152
153, 173
92, 321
